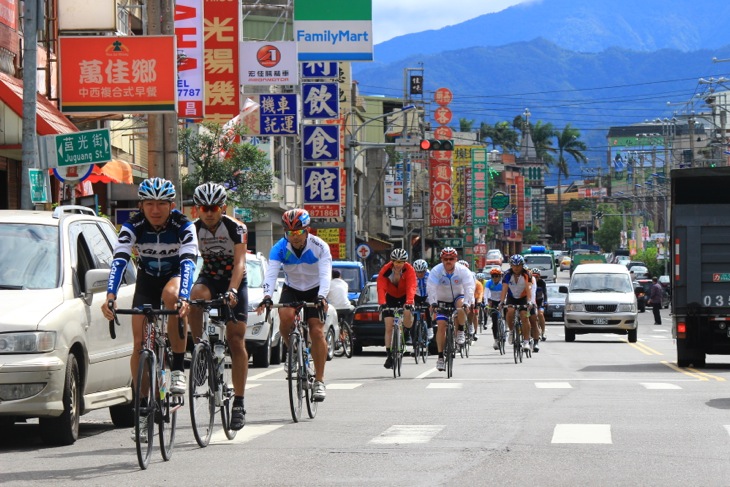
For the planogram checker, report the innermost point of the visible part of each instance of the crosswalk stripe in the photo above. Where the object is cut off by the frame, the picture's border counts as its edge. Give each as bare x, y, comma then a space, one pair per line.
248, 433
582, 433
274, 370
553, 385
427, 373
659, 385
343, 385
407, 434
445, 385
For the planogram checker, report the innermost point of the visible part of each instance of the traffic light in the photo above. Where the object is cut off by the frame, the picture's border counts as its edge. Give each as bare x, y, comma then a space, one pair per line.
433, 144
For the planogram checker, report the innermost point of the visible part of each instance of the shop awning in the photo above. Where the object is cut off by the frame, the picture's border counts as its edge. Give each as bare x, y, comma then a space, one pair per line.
49, 120
114, 171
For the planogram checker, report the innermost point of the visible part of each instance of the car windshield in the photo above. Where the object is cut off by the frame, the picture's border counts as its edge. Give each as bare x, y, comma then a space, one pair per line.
351, 276
553, 292
542, 262
30, 257
254, 274
600, 282
493, 254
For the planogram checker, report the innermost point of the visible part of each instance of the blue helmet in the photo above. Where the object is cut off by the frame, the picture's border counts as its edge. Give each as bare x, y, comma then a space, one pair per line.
156, 189
517, 259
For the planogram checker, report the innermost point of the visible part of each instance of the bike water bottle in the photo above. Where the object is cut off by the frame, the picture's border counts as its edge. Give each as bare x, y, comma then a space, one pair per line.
310, 362
219, 349
163, 384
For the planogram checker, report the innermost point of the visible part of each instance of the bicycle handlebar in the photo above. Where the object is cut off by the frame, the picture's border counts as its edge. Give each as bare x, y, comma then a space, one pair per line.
146, 310
297, 305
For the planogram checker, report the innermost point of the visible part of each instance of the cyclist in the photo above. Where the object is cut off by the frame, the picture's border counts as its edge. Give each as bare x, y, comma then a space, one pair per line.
421, 298
396, 288
541, 301
167, 245
452, 285
470, 315
517, 291
307, 265
223, 241
474, 310
493, 289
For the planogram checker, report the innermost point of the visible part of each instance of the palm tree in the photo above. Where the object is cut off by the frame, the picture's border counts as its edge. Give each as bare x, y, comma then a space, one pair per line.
500, 134
568, 143
542, 137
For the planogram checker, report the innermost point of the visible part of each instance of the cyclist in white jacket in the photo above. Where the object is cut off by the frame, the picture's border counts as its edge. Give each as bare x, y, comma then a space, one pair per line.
450, 285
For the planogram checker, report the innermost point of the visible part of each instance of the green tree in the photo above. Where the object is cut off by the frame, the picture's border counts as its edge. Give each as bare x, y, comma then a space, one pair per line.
542, 137
216, 157
465, 125
569, 144
609, 235
501, 134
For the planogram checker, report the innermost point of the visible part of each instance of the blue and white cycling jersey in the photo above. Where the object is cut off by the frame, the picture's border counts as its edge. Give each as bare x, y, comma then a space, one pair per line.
446, 287
422, 286
165, 253
495, 289
303, 270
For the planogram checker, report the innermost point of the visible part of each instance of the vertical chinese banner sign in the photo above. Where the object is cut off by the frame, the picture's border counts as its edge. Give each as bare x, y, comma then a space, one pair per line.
442, 210
221, 34
190, 76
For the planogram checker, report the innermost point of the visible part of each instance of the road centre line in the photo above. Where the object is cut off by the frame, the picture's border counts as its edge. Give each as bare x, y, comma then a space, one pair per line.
705, 374
683, 371
643, 348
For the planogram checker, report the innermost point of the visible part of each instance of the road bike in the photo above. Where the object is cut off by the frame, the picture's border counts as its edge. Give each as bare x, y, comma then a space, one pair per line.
446, 312
151, 398
501, 330
420, 334
343, 344
397, 340
211, 382
483, 319
517, 333
300, 375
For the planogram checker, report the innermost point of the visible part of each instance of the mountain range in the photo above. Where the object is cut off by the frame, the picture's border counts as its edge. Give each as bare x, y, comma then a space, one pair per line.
590, 64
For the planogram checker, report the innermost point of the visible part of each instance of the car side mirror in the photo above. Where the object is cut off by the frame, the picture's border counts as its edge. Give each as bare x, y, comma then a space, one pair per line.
95, 281
563, 289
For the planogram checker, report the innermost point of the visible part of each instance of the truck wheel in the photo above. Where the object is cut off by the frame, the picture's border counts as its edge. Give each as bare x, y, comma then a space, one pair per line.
569, 335
632, 335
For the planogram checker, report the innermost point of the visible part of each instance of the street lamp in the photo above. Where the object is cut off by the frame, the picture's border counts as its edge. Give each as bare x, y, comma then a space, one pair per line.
351, 143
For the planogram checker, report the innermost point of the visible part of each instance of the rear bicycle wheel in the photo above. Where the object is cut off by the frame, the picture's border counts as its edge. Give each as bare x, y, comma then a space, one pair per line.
423, 340
502, 336
347, 340
200, 392
296, 376
312, 405
167, 411
518, 342
227, 395
395, 348
449, 351
144, 406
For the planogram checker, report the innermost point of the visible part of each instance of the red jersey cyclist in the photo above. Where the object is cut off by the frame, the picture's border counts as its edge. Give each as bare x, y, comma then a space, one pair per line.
396, 289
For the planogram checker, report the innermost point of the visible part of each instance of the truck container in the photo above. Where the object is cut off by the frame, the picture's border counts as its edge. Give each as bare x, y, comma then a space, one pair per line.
700, 276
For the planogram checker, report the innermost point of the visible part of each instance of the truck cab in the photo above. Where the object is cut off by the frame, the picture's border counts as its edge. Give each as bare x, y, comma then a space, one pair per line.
354, 275
539, 257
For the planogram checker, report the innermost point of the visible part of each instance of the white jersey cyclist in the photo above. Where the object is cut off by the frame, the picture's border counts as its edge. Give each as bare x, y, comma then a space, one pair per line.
445, 287
304, 269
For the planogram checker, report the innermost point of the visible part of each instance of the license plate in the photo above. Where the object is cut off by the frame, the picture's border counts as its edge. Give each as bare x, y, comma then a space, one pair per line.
558, 314
600, 321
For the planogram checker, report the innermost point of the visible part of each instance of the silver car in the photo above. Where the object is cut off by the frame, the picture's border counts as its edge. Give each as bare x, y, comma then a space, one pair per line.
600, 299
57, 359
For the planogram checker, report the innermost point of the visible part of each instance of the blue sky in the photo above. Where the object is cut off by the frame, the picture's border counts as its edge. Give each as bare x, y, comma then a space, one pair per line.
392, 18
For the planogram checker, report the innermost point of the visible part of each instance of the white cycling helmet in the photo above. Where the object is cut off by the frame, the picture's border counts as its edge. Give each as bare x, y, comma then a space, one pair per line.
399, 254
209, 194
420, 265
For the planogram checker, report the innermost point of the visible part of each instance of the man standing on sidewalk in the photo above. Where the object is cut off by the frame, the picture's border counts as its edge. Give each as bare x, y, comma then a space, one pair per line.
655, 298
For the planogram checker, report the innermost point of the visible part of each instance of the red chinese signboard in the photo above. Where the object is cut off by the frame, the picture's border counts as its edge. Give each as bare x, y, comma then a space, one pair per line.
221, 40
190, 82
443, 115
443, 96
443, 133
117, 74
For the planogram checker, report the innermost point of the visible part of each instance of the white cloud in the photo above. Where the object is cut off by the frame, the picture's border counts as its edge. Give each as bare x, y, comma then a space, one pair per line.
392, 18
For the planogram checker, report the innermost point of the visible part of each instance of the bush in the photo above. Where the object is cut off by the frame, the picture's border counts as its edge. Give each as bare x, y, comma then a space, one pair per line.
648, 256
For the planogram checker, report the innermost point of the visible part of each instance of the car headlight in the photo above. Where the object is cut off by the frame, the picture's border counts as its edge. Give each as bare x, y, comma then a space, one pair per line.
28, 342
575, 307
626, 308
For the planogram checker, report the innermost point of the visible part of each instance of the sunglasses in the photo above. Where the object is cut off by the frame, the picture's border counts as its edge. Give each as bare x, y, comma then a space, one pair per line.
399, 262
294, 233
449, 259
209, 209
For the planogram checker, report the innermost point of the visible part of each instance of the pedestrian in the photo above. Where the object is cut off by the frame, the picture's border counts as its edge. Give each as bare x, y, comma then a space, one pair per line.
655, 299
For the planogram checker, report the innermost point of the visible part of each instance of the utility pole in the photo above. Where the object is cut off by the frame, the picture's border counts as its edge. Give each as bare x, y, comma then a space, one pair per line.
155, 123
171, 164
32, 20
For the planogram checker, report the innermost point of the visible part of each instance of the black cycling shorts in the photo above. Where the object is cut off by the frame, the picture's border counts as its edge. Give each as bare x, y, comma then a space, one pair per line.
291, 295
393, 302
148, 289
220, 286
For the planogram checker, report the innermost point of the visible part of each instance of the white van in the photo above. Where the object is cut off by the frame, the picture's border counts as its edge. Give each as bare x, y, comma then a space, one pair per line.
541, 259
600, 299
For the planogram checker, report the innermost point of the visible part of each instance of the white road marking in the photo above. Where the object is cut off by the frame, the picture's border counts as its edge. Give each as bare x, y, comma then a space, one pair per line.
445, 385
275, 370
344, 385
427, 373
582, 433
248, 433
727, 428
408, 433
553, 385
251, 386
659, 385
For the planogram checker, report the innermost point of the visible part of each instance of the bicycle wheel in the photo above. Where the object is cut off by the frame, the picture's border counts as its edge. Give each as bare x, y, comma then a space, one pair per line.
200, 392
227, 395
347, 341
518, 342
339, 350
502, 336
144, 388
400, 352
296, 389
394, 348
449, 350
424, 342
417, 343
312, 405
167, 412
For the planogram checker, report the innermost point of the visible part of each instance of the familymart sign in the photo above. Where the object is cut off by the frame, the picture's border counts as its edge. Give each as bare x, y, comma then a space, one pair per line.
327, 30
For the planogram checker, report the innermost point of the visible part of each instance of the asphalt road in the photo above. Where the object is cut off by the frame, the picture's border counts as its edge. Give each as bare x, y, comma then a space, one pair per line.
599, 411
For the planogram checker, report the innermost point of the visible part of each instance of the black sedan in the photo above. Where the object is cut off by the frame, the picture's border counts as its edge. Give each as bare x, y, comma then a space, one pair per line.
642, 295
367, 328
555, 309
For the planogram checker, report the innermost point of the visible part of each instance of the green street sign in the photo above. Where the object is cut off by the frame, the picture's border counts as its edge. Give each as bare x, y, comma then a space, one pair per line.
38, 186
452, 242
500, 200
77, 148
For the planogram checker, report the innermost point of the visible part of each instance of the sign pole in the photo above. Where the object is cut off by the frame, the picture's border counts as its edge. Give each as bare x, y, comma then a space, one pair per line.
32, 17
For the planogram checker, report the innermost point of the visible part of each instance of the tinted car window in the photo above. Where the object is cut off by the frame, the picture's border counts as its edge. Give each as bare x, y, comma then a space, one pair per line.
542, 262
600, 282
351, 276
254, 274
369, 295
30, 256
